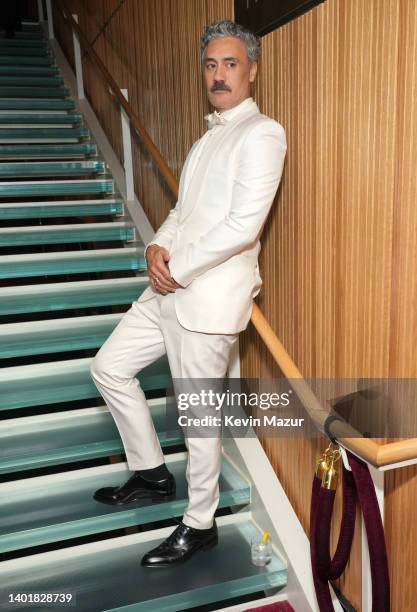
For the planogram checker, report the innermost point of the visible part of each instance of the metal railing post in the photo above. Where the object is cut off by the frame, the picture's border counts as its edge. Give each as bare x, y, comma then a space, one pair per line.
78, 63
50, 19
378, 479
127, 151
41, 16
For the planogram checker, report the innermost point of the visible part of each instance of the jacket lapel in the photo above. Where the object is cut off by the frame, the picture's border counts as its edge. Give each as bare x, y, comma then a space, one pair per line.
185, 175
194, 183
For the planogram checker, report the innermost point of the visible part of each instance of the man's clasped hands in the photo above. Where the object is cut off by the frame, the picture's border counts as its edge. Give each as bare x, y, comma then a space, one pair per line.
157, 258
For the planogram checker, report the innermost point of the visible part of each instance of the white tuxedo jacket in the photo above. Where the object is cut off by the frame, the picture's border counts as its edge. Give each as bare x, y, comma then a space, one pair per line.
227, 187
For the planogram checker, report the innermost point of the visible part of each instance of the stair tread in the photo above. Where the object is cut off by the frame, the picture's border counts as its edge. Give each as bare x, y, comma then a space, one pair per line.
30, 133
55, 187
51, 289
28, 70
75, 294
71, 435
27, 33
71, 181
62, 203
36, 104
30, 210
56, 335
108, 575
50, 325
11, 42
42, 81
27, 229
94, 260
45, 119
64, 255
32, 51
68, 436
47, 151
52, 168
23, 91
66, 234
60, 381
26, 59
73, 512
55, 438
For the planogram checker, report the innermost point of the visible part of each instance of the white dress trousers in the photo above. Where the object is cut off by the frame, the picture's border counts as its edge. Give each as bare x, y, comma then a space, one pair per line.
147, 331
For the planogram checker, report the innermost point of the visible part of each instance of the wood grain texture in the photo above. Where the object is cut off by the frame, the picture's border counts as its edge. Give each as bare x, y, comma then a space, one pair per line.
339, 251
339, 248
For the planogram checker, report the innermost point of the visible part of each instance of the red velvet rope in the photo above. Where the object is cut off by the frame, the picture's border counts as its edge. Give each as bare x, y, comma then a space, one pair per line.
321, 586
356, 484
330, 569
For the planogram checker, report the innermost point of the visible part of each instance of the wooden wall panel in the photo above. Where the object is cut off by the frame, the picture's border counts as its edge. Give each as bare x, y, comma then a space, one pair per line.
339, 249
339, 252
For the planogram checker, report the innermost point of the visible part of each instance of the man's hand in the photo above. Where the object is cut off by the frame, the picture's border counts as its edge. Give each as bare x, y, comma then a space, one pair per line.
157, 258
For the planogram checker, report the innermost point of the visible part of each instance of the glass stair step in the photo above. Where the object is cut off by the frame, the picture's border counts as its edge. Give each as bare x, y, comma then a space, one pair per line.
108, 576
54, 188
74, 208
37, 134
31, 25
12, 42
33, 92
44, 81
50, 151
28, 60
27, 33
30, 37
40, 118
15, 51
72, 511
70, 436
56, 335
48, 264
64, 234
13, 70
36, 104
63, 296
61, 381
57, 168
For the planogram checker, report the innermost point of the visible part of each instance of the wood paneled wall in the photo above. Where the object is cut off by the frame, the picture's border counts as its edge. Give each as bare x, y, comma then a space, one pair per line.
339, 249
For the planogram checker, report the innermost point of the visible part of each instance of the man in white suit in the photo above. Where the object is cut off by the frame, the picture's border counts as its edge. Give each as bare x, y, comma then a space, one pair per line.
203, 270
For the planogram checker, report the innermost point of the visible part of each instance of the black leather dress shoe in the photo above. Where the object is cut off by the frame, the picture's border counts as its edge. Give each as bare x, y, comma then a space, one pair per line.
136, 488
181, 545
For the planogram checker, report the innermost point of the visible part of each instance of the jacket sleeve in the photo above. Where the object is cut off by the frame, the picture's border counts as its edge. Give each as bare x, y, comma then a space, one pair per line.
259, 170
166, 232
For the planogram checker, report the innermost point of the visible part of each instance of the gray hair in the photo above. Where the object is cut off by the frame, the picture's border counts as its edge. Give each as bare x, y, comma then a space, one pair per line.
221, 29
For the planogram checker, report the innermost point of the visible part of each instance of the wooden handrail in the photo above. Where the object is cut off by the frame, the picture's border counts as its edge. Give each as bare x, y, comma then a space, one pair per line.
378, 455
165, 170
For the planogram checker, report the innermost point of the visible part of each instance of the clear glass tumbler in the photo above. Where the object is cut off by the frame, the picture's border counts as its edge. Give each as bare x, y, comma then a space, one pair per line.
261, 554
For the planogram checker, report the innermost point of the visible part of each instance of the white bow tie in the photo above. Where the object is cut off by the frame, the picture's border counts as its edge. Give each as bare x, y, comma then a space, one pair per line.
214, 119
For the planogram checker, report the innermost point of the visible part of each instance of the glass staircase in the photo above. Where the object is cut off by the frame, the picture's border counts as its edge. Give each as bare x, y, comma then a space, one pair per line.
71, 262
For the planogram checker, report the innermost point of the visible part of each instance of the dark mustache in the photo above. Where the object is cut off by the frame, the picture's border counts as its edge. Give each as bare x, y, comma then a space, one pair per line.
220, 86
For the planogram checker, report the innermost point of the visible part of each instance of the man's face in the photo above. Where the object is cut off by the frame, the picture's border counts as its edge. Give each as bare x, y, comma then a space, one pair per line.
227, 72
